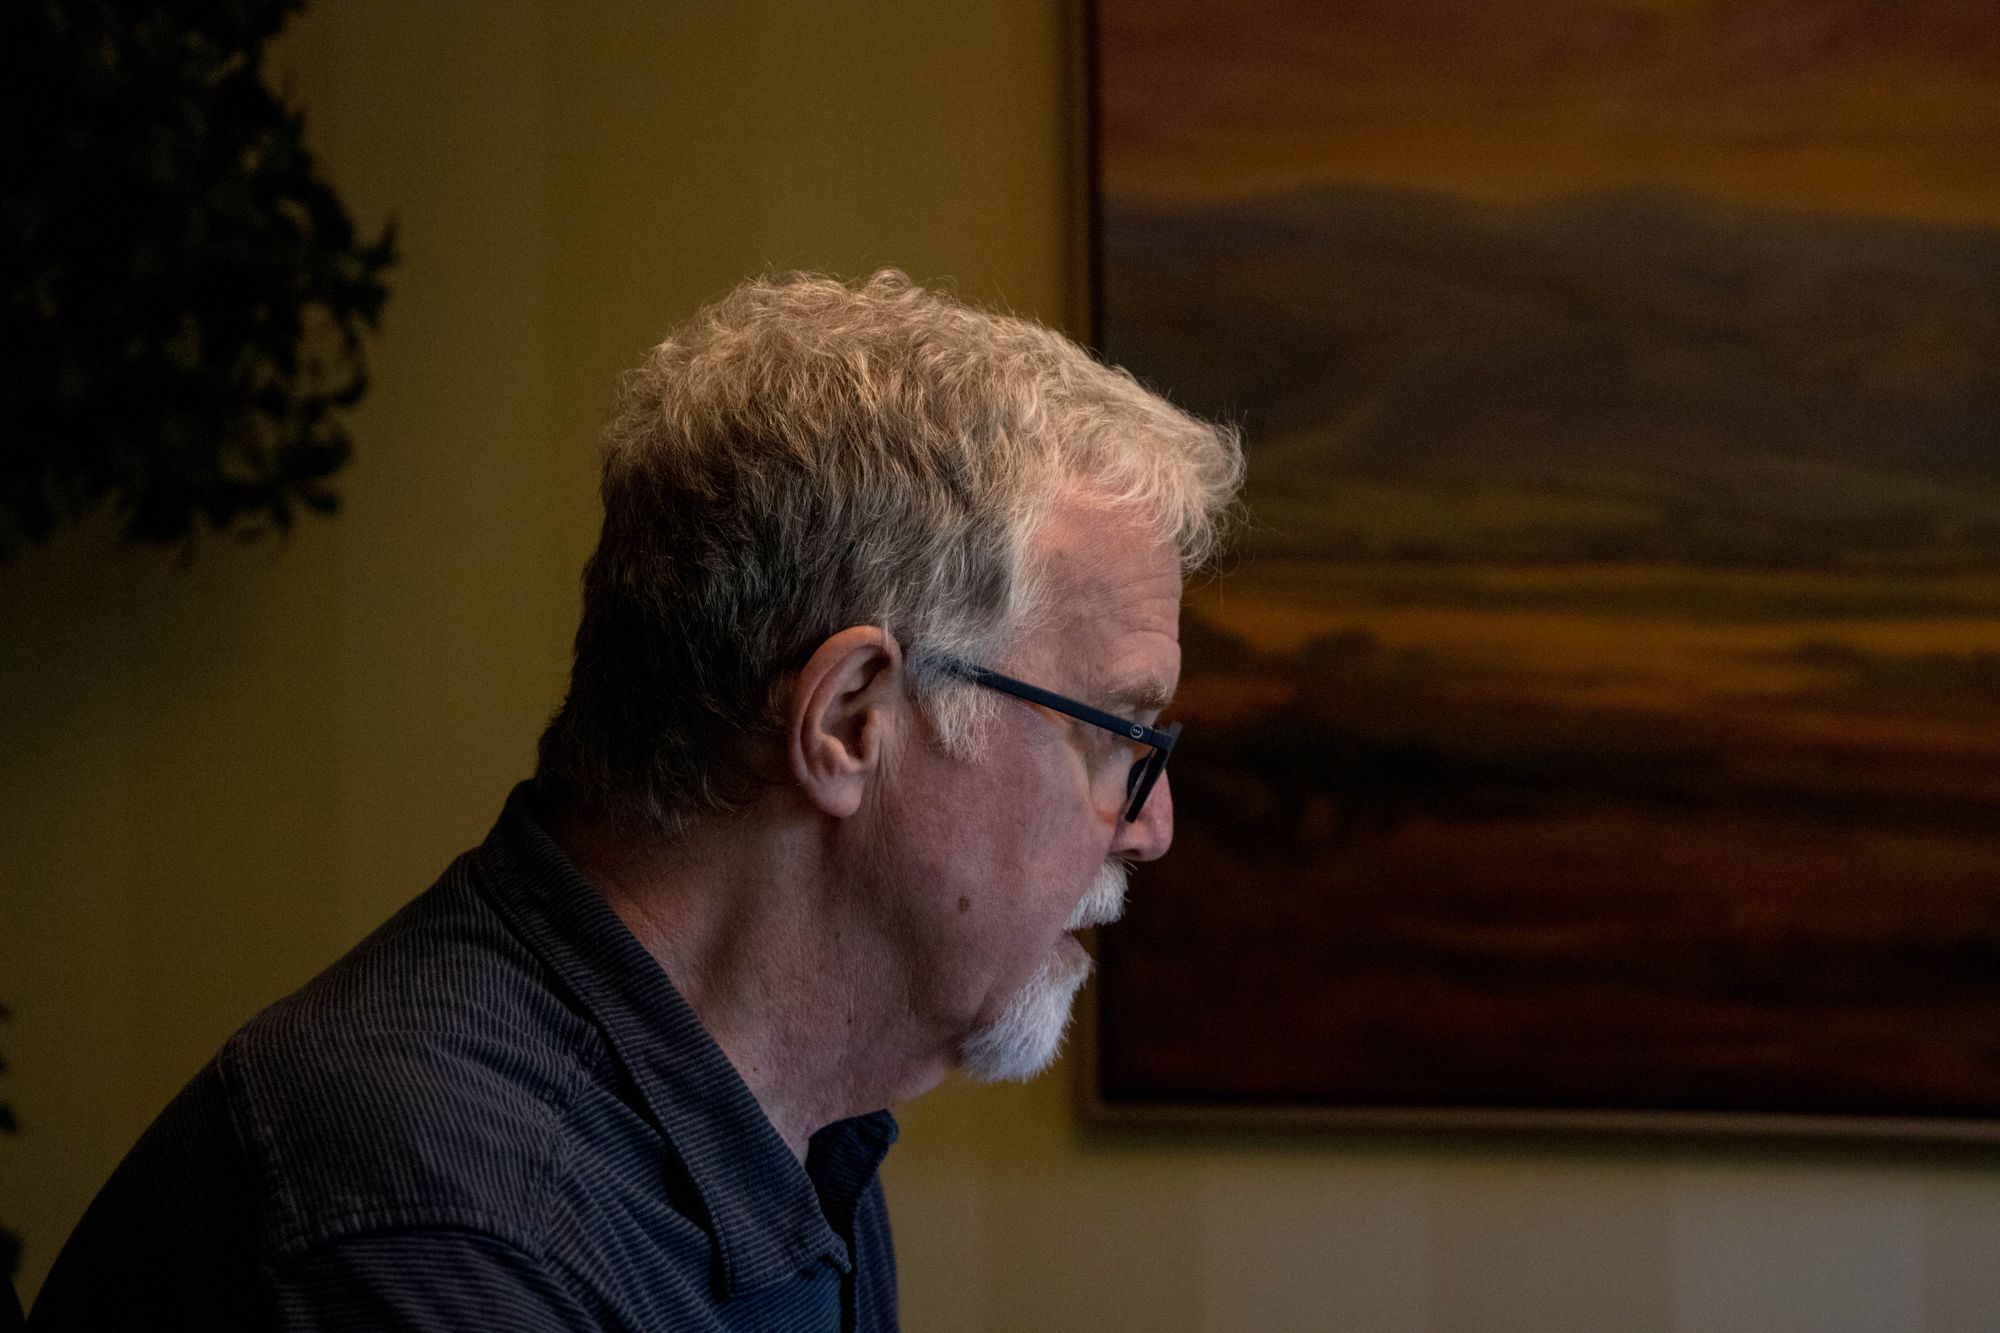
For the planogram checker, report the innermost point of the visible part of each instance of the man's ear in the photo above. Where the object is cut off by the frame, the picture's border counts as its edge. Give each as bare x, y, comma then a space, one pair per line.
845, 708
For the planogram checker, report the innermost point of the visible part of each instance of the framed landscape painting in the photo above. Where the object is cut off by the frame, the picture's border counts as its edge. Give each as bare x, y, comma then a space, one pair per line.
1600, 714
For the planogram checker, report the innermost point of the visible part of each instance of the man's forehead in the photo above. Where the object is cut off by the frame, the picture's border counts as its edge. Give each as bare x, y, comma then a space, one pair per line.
1115, 586
1111, 557
1129, 663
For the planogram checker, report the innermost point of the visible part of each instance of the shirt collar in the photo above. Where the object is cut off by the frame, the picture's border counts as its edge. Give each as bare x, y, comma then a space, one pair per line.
764, 1211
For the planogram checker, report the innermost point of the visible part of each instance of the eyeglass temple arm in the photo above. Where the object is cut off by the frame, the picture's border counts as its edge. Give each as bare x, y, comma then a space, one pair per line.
1020, 689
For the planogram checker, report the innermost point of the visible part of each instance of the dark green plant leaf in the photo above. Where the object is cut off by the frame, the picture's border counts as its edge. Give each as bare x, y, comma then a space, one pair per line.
185, 298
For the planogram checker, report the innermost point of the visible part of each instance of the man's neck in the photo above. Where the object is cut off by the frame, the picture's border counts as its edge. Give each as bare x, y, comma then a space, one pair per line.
806, 1001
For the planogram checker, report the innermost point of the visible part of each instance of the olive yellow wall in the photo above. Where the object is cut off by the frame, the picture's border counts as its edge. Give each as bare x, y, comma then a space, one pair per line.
214, 777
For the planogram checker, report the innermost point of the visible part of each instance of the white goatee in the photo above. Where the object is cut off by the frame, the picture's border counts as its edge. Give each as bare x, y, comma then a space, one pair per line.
1028, 1035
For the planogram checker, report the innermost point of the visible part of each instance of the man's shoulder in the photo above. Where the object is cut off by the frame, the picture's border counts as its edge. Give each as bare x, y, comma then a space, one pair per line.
422, 1080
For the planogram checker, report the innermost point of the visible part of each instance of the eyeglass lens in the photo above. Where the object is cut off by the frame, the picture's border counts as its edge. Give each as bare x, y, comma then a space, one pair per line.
1139, 782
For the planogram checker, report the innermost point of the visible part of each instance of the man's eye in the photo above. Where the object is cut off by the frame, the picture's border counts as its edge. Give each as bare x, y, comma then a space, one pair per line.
1125, 751
1107, 749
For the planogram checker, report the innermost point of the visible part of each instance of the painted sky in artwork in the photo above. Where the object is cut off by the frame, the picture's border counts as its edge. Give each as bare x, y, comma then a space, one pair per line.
1847, 106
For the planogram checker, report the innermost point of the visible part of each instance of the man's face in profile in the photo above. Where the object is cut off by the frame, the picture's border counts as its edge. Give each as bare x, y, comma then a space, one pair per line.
998, 859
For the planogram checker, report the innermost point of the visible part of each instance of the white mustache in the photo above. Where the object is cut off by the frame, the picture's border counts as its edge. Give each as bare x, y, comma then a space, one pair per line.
1105, 902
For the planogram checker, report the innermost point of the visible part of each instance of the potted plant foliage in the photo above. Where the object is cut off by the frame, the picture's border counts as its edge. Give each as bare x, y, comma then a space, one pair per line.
185, 295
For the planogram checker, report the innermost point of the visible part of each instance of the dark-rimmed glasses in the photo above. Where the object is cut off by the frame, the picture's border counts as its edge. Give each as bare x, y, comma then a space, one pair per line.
1145, 772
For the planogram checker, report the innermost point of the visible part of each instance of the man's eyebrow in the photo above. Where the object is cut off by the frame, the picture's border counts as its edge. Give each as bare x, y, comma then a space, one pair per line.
1140, 696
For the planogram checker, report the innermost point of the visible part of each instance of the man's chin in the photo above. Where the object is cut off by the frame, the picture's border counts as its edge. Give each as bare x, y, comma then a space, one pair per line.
1028, 1035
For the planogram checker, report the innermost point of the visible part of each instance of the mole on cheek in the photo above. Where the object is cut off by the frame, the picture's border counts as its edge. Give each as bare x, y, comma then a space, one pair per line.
965, 904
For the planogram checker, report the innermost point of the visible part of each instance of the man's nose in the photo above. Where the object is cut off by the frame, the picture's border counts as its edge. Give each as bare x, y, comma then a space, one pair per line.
1148, 837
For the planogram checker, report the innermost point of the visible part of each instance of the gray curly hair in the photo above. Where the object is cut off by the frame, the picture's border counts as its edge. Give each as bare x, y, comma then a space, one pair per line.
805, 455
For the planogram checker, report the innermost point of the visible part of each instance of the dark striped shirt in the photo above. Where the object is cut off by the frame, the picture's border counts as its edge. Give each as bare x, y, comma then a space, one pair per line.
494, 1113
